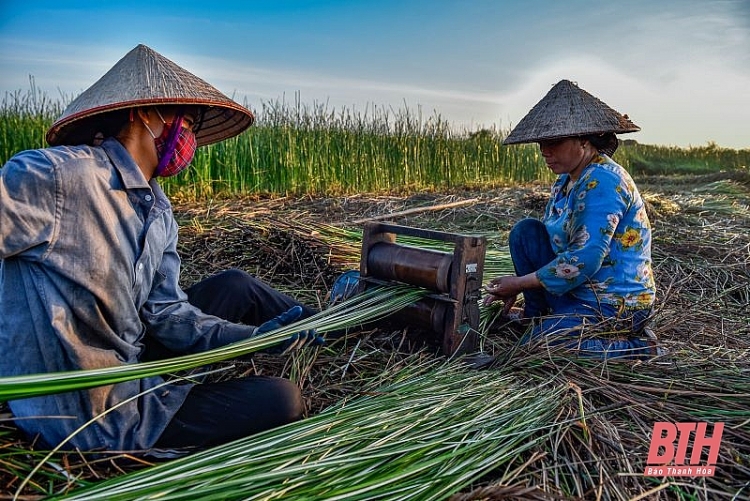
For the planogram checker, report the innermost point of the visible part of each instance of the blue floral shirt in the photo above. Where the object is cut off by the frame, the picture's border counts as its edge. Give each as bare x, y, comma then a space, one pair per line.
601, 235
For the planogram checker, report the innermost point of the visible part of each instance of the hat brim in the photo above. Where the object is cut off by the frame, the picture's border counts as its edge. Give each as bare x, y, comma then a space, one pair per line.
219, 121
568, 111
143, 77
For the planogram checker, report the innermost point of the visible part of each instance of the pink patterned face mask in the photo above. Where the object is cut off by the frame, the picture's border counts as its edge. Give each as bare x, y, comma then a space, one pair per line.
175, 147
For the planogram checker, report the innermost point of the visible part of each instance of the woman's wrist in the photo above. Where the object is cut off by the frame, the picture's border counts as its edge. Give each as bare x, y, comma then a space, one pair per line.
530, 281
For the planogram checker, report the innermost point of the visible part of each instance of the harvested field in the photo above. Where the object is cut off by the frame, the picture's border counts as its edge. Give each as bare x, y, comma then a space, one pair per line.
597, 443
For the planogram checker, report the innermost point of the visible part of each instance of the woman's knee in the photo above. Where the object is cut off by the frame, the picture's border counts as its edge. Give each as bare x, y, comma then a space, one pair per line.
235, 280
228, 281
290, 404
525, 229
529, 246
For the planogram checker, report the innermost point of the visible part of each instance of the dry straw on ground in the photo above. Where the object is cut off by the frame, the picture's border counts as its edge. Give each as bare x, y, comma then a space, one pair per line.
599, 444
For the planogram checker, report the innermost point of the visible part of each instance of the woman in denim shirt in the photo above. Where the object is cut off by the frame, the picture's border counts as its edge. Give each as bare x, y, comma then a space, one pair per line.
588, 261
89, 270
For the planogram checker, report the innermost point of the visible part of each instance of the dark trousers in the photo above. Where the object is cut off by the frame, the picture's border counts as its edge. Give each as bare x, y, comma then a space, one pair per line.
216, 413
530, 250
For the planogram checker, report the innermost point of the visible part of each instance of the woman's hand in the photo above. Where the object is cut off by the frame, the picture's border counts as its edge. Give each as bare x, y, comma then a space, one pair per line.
508, 302
506, 288
503, 288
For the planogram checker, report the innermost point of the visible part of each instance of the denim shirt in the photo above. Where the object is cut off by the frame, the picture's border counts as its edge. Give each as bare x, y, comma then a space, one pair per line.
601, 235
88, 267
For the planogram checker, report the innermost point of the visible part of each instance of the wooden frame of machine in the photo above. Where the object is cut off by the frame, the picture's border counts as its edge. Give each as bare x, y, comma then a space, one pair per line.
454, 279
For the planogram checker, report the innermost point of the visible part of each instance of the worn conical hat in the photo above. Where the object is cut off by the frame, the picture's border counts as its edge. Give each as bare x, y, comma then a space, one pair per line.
567, 110
142, 78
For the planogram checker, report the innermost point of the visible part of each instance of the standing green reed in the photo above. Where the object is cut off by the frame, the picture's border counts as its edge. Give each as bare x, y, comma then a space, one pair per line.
649, 159
316, 150
24, 119
296, 148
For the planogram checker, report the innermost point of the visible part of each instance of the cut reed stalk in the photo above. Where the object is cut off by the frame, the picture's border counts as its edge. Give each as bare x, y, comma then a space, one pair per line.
359, 310
434, 430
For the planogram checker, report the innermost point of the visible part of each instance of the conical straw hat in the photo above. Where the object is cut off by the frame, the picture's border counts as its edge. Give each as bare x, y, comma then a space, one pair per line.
142, 78
565, 111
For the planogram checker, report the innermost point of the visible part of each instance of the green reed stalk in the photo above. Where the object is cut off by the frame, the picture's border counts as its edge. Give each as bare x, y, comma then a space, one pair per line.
313, 149
24, 119
426, 435
363, 308
345, 246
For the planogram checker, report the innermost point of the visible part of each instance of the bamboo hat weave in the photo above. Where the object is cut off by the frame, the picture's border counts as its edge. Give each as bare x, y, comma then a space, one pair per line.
567, 110
144, 77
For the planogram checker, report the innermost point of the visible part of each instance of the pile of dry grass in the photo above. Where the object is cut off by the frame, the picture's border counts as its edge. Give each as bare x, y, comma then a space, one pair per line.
702, 266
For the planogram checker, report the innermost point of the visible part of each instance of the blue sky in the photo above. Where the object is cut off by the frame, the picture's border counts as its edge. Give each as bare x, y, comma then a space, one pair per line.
679, 68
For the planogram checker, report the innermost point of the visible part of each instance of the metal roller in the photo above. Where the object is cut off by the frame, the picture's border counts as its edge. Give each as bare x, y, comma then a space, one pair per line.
427, 313
422, 267
451, 310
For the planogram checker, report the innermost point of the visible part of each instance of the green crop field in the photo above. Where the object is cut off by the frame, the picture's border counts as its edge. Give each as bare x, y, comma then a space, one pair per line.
389, 417
311, 150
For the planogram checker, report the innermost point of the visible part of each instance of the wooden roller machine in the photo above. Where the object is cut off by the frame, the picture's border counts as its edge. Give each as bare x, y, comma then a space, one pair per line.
451, 310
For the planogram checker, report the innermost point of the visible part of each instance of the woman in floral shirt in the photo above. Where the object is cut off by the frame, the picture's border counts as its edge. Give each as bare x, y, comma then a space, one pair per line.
588, 261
